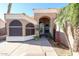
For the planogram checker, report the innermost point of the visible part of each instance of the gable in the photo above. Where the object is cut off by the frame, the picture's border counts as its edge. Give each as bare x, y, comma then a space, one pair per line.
20, 16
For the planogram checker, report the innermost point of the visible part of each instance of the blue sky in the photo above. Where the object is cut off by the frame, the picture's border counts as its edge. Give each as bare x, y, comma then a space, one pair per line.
27, 7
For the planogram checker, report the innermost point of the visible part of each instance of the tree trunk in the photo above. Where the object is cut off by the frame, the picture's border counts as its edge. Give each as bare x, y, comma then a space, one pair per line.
76, 40
72, 30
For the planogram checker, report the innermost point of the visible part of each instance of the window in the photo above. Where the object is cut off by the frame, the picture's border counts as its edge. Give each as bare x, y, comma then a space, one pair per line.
30, 30
15, 28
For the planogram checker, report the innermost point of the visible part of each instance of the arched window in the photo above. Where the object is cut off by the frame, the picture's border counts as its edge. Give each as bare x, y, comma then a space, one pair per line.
15, 28
30, 29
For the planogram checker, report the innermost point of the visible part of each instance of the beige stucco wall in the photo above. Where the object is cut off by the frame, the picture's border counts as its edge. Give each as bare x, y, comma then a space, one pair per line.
2, 27
2, 24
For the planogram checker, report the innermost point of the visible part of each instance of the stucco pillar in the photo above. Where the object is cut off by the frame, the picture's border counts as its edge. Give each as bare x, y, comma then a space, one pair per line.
51, 26
23, 30
37, 30
7, 29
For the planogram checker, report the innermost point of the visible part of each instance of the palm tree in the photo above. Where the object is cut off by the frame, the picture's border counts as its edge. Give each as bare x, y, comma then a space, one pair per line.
70, 13
9, 8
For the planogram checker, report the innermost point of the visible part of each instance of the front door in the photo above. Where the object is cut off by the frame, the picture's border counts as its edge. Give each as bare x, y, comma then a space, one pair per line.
44, 29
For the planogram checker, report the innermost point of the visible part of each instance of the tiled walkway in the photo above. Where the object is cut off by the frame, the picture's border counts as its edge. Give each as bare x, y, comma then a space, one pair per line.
28, 48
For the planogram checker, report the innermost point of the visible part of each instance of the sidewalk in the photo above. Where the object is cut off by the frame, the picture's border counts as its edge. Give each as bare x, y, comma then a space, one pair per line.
29, 48
75, 53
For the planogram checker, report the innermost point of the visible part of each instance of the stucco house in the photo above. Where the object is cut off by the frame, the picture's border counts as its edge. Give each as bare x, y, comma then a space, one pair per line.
21, 27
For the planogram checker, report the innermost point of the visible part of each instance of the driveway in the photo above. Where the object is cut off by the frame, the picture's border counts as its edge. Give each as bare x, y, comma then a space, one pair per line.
28, 48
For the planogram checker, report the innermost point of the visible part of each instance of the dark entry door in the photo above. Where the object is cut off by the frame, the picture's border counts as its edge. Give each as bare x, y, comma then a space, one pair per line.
46, 31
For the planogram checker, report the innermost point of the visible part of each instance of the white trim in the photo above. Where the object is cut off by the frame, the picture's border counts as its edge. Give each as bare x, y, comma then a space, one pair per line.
19, 38
15, 26
30, 28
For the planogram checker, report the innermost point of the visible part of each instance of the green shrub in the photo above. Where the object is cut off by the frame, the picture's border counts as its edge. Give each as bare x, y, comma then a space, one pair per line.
36, 37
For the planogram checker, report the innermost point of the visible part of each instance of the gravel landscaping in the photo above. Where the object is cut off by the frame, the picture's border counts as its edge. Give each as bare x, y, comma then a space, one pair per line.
60, 49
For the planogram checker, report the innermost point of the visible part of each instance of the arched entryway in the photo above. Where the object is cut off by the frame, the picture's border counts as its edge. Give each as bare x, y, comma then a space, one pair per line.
44, 24
15, 28
30, 29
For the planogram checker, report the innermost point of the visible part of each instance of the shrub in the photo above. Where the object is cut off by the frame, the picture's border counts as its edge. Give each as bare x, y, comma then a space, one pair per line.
36, 37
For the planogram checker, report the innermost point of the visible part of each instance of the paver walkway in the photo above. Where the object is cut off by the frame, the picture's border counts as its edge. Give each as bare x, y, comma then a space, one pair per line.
28, 48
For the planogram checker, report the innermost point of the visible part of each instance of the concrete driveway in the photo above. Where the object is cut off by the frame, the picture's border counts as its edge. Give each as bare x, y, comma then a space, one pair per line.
28, 48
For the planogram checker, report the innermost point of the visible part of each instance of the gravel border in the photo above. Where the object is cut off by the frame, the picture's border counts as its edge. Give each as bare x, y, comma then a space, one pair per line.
60, 49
